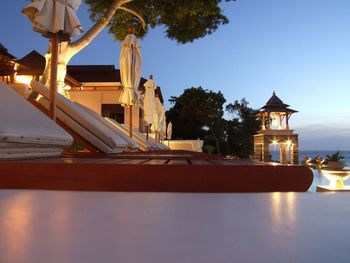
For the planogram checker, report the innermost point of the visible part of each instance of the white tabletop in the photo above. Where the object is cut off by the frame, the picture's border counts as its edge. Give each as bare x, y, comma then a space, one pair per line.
57, 226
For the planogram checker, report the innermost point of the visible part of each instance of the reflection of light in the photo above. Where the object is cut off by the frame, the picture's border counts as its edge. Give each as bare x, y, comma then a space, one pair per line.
283, 212
16, 220
291, 207
276, 210
274, 142
23, 79
289, 142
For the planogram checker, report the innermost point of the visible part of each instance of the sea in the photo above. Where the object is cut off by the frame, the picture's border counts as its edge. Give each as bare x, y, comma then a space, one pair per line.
319, 177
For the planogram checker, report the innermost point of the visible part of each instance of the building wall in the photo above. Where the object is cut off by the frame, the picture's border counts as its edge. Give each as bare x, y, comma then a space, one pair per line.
90, 99
95, 98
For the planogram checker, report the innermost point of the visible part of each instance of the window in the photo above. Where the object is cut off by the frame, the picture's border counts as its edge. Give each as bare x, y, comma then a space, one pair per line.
113, 111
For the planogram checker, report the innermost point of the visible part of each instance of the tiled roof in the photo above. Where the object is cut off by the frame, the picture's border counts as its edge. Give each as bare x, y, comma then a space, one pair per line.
94, 73
3, 49
32, 63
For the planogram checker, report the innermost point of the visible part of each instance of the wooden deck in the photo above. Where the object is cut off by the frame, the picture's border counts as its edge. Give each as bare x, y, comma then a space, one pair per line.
152, 172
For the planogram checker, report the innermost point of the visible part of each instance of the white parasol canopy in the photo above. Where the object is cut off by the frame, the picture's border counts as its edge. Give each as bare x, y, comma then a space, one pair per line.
162, 123
149, 102
55, 16
169, 131
130, 70
159, 121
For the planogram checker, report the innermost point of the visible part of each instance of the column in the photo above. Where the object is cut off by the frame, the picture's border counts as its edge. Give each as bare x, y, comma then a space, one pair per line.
283, 153
295, 153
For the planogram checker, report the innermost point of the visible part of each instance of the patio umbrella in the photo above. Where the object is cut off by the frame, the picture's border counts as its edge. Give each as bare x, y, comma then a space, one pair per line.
149, 102
158, 119
162, 125
57, 20
130, 72
169, 131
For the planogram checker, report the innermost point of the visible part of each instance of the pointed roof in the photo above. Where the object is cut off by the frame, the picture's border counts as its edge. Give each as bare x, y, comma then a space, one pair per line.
275, 104
4, 50
31, 64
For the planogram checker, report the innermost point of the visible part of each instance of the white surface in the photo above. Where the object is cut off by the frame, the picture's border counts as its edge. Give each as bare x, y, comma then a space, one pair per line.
44, 226
116, 134
142, 144
130, 69
21, 122
187, 145
84, 119
81, 130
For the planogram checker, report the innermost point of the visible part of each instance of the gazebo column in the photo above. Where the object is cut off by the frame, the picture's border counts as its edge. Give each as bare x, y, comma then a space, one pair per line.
266, 156
287, 118
283, 153
280, 125
295, 152
268, 121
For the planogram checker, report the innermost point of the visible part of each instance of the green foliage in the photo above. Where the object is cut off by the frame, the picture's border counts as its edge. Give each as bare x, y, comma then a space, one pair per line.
198, 113
335, 157
183, 21
241, 128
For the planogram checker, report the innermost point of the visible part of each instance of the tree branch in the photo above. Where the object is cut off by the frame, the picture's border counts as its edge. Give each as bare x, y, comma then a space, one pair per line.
98, 27
135, 14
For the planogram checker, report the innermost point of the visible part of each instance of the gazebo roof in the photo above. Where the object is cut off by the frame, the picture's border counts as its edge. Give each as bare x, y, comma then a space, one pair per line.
275, 104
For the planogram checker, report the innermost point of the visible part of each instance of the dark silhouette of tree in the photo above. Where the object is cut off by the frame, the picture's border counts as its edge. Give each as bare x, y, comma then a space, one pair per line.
241, 128
182, 21
198, 113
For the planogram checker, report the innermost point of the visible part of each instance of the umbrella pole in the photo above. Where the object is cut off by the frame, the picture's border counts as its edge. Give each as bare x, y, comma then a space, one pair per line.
53, 74
130, 120
147, 131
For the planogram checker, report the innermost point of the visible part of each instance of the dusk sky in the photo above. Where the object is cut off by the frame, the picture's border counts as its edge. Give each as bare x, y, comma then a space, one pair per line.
299, 48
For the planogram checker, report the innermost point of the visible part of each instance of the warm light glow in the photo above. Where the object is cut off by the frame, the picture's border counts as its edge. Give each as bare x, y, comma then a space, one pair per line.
336, 178
274, 121
289, 142
274, 142
67, 87
39, 97
23, 79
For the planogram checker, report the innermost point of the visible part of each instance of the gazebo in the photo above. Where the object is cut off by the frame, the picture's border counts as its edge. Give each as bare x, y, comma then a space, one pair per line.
275, 130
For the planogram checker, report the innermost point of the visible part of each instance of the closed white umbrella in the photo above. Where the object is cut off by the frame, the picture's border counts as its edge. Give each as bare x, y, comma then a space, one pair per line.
149, 102
158, 119
55, 19
130, 72
169, 132
162, 125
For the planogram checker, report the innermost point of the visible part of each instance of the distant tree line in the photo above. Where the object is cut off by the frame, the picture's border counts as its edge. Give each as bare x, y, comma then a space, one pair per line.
199, 114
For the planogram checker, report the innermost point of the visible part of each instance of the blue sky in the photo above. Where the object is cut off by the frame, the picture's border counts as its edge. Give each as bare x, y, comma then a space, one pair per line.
299, 48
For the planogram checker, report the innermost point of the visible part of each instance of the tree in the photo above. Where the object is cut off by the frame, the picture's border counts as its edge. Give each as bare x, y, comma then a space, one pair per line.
198, 113
241, 128
184, 22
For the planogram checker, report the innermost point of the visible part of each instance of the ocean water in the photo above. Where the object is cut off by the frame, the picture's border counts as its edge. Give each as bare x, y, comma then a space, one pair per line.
319, 177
